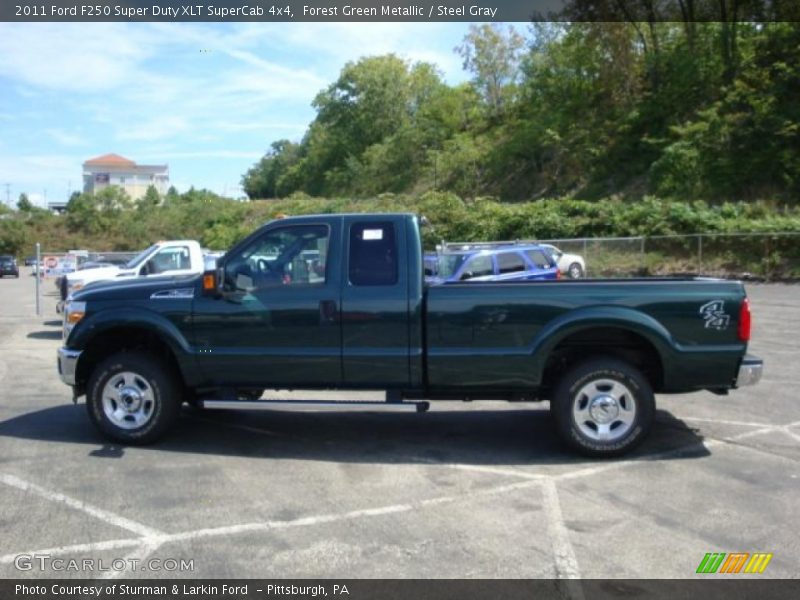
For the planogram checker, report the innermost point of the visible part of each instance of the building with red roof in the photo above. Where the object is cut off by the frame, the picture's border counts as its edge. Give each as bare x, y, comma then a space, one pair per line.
112, 169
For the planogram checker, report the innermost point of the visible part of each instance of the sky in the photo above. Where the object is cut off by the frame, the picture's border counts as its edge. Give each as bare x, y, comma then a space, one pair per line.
205, 98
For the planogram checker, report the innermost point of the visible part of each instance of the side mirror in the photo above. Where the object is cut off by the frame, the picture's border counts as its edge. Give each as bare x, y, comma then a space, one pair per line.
466, 275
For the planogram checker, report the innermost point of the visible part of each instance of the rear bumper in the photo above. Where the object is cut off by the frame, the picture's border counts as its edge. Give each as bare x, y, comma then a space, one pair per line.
68, 364
750, 371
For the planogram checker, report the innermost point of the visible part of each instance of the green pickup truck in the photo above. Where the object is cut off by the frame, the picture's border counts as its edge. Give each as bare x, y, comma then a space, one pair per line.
340, 302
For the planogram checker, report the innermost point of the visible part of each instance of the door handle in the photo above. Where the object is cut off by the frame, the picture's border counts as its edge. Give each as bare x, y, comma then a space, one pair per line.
327, 311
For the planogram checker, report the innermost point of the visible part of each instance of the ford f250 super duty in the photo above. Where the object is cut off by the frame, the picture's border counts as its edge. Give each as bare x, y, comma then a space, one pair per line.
339, 302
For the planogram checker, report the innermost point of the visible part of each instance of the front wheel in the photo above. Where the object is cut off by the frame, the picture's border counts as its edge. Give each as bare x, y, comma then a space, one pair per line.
603, 407
133, 398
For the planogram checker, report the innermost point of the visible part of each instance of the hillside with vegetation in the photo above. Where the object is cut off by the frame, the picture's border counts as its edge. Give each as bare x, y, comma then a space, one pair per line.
564, 130
586, 110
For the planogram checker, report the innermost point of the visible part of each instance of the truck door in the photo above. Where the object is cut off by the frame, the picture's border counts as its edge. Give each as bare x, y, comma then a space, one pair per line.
276, 322
375, 303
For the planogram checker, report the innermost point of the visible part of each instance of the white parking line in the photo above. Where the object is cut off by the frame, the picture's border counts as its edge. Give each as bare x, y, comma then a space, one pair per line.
74, 549
478, 468
140, 554
725, 422
337, 517
790, 433
98, 513
565, 561
150, 542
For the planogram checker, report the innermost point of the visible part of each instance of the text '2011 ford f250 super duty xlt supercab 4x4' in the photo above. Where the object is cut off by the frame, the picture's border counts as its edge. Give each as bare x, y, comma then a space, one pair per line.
339, 302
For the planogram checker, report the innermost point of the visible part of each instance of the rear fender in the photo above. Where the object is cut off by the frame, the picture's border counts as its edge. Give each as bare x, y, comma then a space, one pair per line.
581, 319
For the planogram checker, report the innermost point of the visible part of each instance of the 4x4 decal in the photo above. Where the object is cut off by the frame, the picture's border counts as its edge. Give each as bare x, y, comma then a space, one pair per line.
714, 315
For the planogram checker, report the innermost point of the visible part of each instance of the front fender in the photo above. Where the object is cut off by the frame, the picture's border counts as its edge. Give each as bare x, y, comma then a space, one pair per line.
104, 320
93, 326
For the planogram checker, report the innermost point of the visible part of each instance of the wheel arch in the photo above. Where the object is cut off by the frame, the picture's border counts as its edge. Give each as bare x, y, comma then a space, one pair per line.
105, 341
619, 332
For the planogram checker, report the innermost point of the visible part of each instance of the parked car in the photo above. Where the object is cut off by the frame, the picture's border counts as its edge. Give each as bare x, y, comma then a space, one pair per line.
431, 263
571, 265
510, 263
30, 261
8, 266
597, 350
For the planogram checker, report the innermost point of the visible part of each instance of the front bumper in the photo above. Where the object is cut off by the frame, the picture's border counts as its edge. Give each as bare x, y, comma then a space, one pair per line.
68, 364
750, 371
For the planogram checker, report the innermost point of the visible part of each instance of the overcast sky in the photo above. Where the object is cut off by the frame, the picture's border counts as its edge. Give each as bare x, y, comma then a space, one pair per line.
207, 99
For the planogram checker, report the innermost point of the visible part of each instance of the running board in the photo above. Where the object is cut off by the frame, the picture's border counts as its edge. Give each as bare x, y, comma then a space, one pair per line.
316, 405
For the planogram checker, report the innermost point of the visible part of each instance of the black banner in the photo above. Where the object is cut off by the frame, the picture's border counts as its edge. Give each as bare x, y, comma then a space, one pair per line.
397, 10
710, 588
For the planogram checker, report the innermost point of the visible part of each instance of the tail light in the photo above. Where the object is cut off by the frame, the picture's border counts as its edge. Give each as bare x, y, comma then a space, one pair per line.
558, 273
745, 321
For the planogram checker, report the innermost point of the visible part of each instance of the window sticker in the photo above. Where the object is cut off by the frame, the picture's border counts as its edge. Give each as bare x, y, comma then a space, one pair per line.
372, 234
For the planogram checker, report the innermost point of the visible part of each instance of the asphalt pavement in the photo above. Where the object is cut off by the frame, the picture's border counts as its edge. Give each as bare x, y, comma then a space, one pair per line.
477, 490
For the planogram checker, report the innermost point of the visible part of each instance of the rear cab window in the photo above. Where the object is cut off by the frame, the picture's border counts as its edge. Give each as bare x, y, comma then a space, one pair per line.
373, 254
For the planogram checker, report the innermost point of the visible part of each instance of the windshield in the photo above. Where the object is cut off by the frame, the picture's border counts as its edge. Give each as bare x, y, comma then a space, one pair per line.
449, 264
139, 258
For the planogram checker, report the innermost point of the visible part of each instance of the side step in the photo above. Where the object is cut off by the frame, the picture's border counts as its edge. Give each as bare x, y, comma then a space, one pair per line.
316, 405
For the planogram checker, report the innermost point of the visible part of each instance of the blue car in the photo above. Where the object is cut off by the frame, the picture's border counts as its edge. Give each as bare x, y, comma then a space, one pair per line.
512, 263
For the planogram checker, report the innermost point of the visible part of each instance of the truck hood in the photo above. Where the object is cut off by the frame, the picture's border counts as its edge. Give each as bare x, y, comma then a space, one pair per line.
92, 275
135, 288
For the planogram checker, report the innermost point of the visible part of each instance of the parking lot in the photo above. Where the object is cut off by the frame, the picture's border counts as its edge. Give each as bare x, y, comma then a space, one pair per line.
479, 490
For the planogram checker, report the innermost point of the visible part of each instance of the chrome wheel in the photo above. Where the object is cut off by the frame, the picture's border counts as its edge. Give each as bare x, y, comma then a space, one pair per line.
604, 410
128, 400
575, 271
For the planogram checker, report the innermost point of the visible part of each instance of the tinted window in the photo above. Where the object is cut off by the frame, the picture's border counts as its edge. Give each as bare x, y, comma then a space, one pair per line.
449, 264
538, 258
373, 254
478, 266
293, 255
510, 262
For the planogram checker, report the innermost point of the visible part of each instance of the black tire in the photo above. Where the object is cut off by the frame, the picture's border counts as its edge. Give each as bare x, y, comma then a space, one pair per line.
575, 271
161, 392
574, 410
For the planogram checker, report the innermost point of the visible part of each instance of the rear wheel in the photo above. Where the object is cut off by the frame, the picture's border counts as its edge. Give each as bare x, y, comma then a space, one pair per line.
132, 398
575, 271
603, 407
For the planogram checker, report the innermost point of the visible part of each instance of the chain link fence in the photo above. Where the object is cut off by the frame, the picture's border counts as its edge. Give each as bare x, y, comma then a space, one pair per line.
769, 256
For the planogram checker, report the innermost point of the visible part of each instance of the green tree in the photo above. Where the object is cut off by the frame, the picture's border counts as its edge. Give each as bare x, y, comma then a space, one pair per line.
24, 204
263, 180
12, 237
492, 53
151, 197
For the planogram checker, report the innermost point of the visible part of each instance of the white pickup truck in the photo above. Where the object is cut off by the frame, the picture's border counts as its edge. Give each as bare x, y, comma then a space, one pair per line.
173, 257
